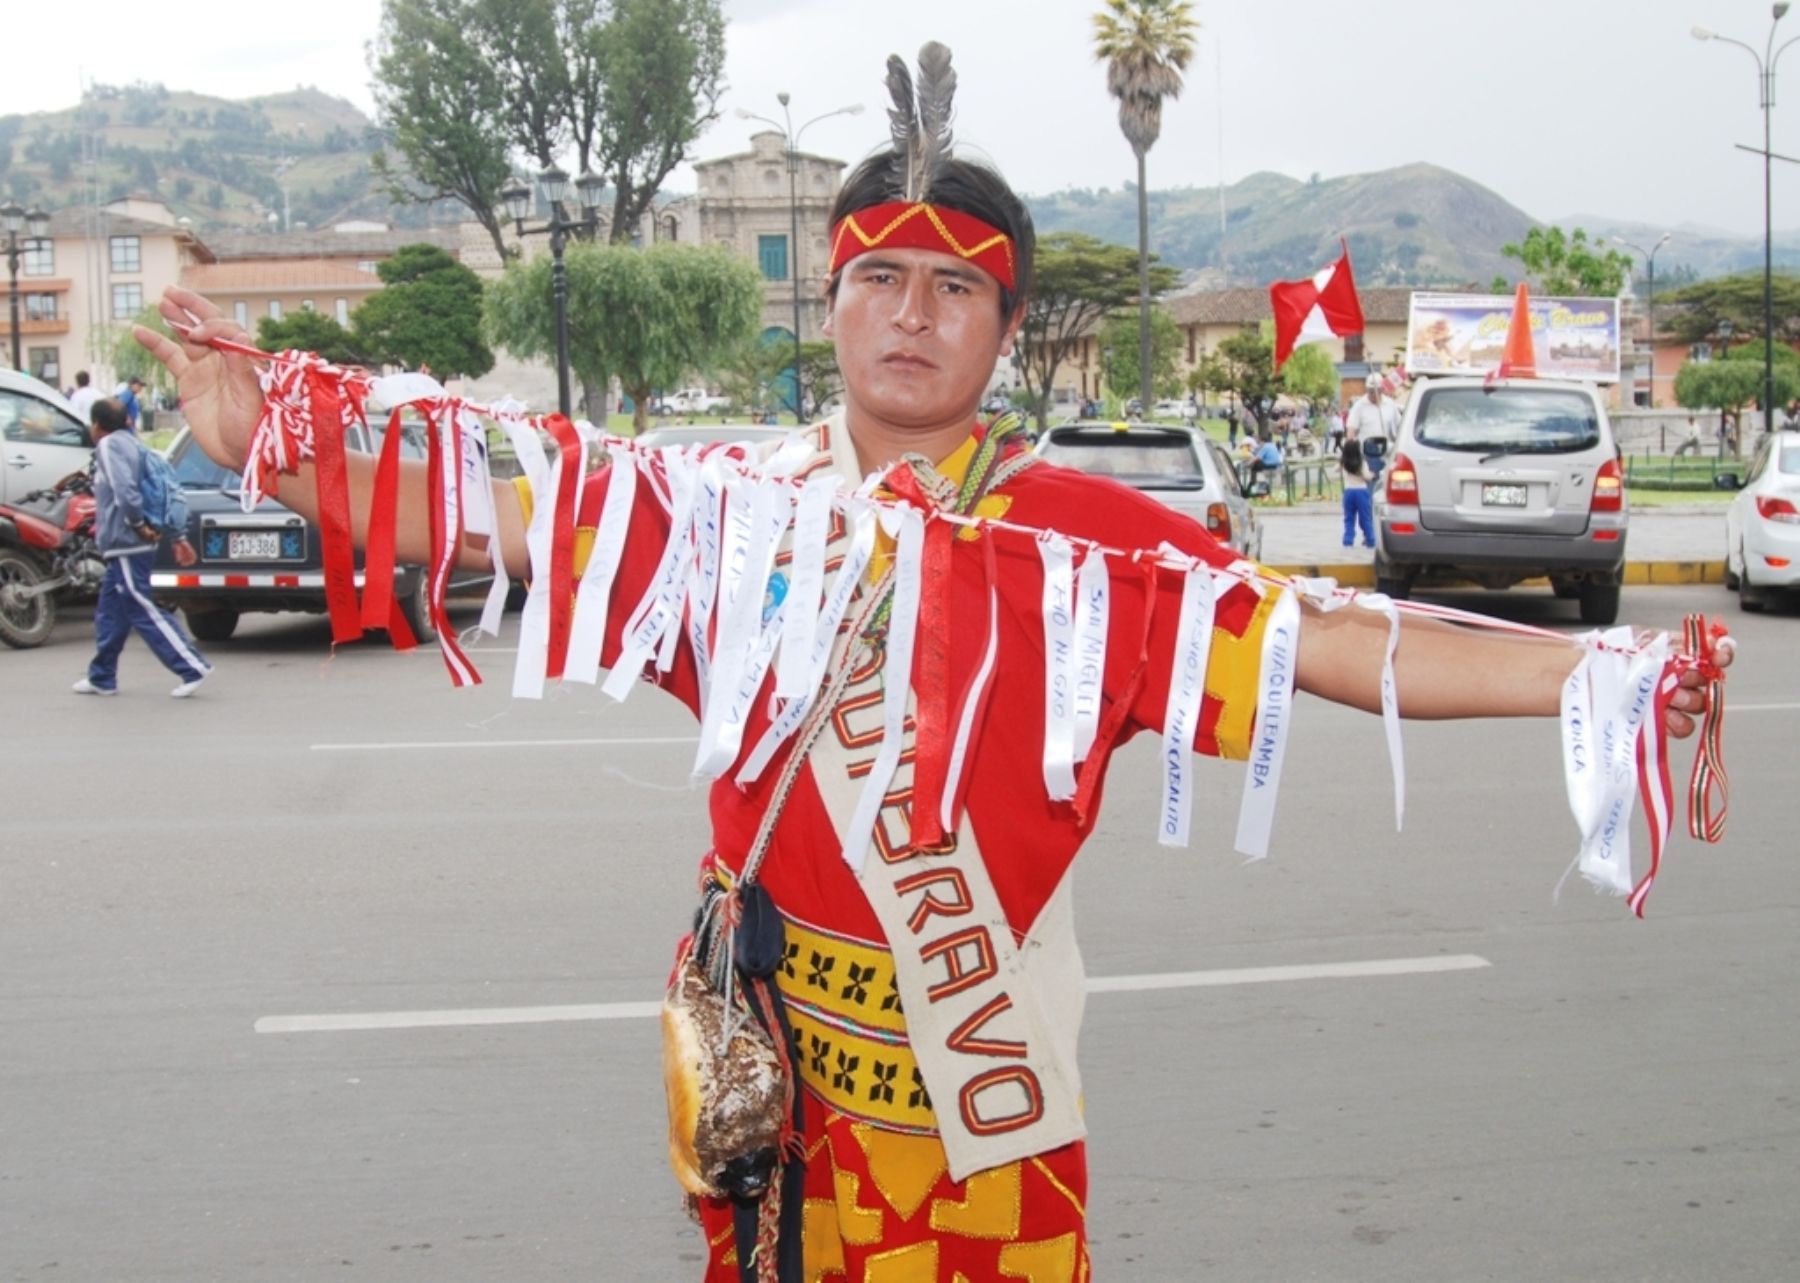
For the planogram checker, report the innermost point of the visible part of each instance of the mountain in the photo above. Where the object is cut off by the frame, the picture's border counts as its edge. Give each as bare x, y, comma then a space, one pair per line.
1695, 252
1419, 224
221, 163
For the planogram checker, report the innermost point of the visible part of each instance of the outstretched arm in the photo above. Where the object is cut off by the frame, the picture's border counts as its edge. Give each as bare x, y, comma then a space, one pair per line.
1443, 670
222, 400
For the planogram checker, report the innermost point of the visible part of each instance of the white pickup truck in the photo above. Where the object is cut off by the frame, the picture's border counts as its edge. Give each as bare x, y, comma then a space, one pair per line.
694, 401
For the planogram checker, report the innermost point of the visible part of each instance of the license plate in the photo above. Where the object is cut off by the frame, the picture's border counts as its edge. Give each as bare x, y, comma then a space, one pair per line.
254, 545
1503, 496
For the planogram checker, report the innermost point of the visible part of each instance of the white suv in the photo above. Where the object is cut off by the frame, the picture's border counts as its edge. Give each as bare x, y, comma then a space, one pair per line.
1500, 482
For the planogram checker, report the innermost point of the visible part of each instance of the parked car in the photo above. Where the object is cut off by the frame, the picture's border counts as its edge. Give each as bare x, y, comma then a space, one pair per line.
692, 401
1501, 482
43, 438
268, 559
1762, 525
1181, 467
708, 433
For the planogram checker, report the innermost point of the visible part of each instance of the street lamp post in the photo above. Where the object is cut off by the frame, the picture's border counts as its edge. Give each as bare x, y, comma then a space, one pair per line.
35, 223
1765, 80
553, 184
791, 139
1650, 300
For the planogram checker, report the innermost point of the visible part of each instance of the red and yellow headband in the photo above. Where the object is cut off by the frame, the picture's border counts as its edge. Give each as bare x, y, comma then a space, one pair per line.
910, 225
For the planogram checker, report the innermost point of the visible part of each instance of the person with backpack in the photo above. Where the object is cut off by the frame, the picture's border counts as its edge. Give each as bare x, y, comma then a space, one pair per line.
137, 505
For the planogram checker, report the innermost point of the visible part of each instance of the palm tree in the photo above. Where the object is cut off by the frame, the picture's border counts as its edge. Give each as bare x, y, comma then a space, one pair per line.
1146, 45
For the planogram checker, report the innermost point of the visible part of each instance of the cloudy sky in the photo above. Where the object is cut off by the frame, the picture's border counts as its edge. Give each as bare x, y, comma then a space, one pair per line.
1564, 107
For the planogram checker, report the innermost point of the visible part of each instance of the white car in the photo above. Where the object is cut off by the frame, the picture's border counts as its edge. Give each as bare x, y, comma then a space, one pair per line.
1762, 526
42, 439
694, 401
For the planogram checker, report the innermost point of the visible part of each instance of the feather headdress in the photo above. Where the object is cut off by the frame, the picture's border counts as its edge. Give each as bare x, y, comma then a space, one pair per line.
921, 129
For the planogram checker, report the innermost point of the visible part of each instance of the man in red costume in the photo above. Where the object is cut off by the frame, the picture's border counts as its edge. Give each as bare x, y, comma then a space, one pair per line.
935, 993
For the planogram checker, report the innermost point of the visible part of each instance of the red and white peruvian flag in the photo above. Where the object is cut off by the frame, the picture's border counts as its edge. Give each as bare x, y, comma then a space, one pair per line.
1315, 310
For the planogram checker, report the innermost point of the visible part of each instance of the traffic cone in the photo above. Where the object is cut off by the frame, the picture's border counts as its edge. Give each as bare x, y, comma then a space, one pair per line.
1519, 360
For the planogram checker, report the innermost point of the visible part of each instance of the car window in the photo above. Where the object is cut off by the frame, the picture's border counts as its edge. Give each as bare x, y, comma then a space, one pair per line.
1227, 470
1758, 462
1106, 453
32, 421
197, 472
1511, 420
1790, 460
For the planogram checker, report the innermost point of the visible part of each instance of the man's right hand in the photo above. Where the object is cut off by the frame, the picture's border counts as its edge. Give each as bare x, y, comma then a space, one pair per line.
221, 397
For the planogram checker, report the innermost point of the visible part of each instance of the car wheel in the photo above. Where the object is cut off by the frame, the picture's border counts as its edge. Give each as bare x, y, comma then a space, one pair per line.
1733, 580
1391, 582
415, 607
1599, 604
215, 625
25, 621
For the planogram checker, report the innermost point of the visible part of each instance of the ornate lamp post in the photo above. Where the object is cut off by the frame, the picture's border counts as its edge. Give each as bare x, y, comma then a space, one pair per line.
1765, 80
791, 139
35, 223
553, 185
1650, 300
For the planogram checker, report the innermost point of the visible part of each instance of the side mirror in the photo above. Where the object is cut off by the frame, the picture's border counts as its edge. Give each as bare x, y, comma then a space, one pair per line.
1727, 481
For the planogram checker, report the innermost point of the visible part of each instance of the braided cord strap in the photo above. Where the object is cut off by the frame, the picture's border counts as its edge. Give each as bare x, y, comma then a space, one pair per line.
1709, 788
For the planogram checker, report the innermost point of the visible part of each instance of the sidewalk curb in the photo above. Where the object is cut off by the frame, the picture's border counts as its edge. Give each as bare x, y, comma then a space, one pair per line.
1637, 573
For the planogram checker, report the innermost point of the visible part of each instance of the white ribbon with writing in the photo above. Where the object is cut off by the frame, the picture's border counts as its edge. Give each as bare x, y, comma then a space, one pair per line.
1059, 667
659, 608
794, 672
907, 527
1624, 689
1187, 693
1093, 617
534, 620
1274, 716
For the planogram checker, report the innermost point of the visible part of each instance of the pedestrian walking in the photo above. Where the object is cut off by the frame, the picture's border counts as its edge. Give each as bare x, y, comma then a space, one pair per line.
127, 534
1359, 500
84, 396
1690, 441
128, 401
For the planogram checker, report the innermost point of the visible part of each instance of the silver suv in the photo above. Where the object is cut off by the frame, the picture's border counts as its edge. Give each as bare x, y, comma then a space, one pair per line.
1500, 482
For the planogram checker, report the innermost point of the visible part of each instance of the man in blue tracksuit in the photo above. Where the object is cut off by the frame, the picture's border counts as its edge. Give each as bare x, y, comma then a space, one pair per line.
127, 540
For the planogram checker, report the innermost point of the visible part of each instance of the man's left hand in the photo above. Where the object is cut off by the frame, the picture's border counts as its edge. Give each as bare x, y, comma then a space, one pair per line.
184, 553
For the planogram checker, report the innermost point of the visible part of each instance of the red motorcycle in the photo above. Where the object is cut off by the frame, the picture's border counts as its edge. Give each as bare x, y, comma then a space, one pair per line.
47, 552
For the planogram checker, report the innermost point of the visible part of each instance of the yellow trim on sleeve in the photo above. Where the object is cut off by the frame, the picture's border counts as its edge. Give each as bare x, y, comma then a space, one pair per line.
1232, 669
524, 488
584, 535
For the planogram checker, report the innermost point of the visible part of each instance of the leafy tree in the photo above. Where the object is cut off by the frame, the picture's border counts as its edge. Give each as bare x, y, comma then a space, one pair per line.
1120, 352
1078, 281
463, 84
1247, 369
648, 316
129, 359
1559, 263
1146, 45
310, 331
429, 315
441, 103
1309, 374
1694, 311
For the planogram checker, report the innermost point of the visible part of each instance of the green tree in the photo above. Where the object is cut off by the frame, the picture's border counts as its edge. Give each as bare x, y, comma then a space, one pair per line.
441, 103
461, 85
648, 316
1247, 369
310, 331
1694, 311
1146, 45
1119, 356
1310, 375
1560, 263
129, 359
1078, 282
428, 315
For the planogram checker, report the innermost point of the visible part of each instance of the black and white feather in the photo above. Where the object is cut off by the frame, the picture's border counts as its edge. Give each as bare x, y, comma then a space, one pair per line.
921, 128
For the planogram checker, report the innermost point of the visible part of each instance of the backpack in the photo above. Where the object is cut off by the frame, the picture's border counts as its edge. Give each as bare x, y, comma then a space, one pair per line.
165, 503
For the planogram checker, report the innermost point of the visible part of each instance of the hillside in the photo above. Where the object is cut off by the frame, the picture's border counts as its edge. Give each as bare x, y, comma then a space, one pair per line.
1417, 225
220, 163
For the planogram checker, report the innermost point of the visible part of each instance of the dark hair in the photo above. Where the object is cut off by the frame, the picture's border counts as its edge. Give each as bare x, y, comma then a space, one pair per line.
109, 416
961, 185
1353, 457
81, 379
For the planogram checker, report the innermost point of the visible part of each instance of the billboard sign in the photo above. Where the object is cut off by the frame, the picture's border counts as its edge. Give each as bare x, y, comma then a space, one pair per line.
1575, 338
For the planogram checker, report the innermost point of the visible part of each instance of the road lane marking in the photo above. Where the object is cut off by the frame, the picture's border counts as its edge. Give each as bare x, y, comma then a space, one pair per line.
1759, 708
368, 1020
392, 745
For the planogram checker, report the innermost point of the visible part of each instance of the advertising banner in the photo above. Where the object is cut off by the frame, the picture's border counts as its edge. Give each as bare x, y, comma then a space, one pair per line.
1575, 338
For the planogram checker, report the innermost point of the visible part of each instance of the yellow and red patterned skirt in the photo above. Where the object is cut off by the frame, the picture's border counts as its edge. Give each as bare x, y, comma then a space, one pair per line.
880, 1204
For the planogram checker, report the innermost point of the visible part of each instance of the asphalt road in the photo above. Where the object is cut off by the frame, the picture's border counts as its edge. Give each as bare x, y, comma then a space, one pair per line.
1604, 1099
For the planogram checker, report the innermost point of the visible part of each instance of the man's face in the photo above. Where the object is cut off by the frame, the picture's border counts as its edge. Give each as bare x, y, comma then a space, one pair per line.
917, 335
